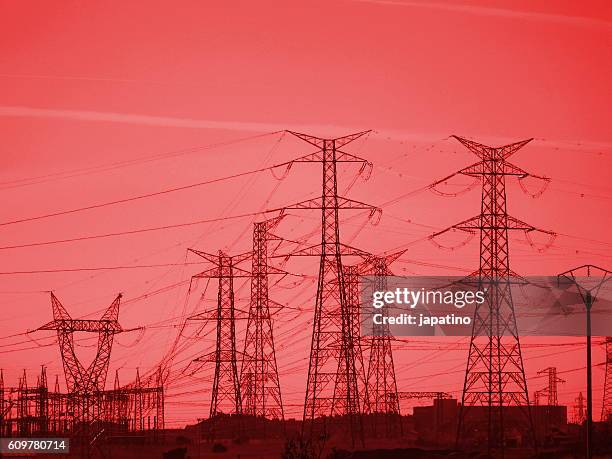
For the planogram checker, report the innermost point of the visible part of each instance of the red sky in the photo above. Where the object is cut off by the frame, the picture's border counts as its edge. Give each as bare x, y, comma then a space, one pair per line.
84, 87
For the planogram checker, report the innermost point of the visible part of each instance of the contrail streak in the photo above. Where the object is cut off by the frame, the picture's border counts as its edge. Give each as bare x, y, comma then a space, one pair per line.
319, 129
500, 12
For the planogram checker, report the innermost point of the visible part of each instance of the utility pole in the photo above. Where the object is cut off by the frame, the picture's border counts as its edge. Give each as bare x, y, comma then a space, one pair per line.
588, 279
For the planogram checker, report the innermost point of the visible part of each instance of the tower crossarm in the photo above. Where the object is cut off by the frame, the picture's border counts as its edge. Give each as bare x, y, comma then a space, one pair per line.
503, 168
573, 277
316, 251
342, 203
219, 272
486, 152
339, 142
489, 222
379, 263
215, 258
341, 157
82, 325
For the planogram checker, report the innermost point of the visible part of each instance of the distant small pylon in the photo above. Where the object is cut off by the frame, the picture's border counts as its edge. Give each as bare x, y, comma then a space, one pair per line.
259, 379
606, 409
226, 396
579, 414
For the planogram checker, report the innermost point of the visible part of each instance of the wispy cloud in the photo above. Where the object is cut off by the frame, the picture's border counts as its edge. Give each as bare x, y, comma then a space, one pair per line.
142, 120
192, 123
22, 76
500, 12
316, 129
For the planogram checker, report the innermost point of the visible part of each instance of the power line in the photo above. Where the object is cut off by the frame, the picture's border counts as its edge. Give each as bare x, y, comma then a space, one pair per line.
142, 196
119, 164
137, 231
97, 268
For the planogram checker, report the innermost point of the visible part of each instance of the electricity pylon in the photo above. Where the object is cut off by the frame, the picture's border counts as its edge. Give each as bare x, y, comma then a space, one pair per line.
550, 391
226, 396
259, 373
331, 387
351, 279
85, 383
81, 380
495, 375
383, 400
606, 408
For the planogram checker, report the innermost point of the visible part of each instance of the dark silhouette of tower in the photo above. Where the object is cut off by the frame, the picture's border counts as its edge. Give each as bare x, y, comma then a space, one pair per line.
332, 383
351, 280
587, 280
579, 414
81, 380
606, 408
550, 391
383, 400
549, 394
226, 396
5, 406
259, 373
495, 375
85, 384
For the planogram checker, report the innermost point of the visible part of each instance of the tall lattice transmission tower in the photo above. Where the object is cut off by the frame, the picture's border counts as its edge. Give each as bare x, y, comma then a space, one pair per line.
495, 375
79, 378
259, 373
332, 382
550, 392
579, 414
353, 298
226, 396
383, 399
85, 383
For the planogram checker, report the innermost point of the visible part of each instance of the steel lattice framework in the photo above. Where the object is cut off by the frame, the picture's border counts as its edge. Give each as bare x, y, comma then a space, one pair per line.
495, 375
332, 384
87, 412
579, 415
78, 378
382, 385
606, 408
381, 382
550, 391
36, 411
259, 373
226, 395
351, 280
